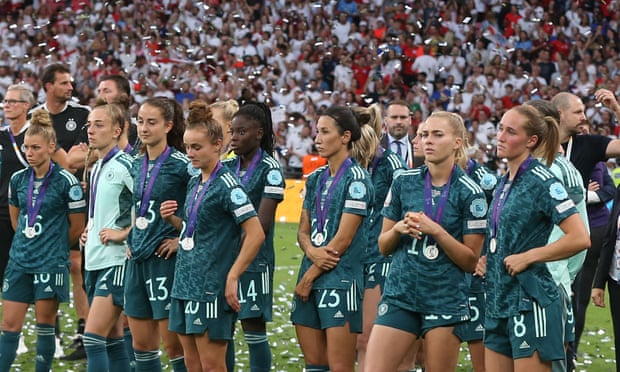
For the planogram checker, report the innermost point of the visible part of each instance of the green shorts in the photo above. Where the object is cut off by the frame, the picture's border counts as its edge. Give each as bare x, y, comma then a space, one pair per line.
194, 317
375, 274
256, 295
28, 288
393, 316
106, 282
329, 308
473, 330
147, 288
540, 329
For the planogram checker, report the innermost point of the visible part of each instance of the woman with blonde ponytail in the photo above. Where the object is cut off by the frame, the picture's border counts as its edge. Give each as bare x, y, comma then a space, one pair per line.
46, 207
382, 165
434, 222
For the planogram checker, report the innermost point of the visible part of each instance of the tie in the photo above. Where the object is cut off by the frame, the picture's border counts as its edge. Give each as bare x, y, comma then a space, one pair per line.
399, 148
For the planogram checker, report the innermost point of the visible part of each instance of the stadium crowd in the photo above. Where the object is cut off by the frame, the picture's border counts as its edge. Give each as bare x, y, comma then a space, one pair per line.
478, 59
474, 58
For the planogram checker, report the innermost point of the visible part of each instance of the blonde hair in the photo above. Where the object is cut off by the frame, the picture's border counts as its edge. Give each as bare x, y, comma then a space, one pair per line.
369, 119
543, 127
41, 124
201, 117
229, 108
459, 130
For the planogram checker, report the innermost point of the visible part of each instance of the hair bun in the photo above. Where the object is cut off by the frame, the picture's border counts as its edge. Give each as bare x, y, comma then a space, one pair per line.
41, 117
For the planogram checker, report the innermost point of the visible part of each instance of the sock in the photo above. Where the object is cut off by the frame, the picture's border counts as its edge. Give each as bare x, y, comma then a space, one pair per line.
8, 349
96, 353
57, 326
81, 326
46, 345
260, 352
117, 355
129, 348
178, 364
230, 356
314, 368
147, 361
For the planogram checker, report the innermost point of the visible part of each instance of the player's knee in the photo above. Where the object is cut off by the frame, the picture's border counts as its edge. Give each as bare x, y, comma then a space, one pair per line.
173, 350
362, 342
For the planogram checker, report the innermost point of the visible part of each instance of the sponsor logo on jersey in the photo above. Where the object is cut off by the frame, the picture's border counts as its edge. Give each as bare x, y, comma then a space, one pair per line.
71, 125
524, 345
338, 315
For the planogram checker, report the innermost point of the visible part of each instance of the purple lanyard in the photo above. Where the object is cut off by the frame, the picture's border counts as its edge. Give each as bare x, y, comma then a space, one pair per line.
470, 166
33, 210
144, 193
194, 201
128, 149
375, 161
95, 181
502, 195
251, 168
441, 203
321, 210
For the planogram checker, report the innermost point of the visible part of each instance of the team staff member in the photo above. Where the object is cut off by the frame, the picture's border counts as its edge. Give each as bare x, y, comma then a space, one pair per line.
109, 222
159, 171
211, 260
252, 141
382, 165
523, 329
327, 304
434, 220
46, 206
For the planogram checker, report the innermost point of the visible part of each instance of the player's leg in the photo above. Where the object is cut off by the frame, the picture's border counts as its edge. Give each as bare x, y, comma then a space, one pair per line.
145, 343
13, 315
255, 333
45, 314
369, 313
313, 344
387, 346
172, 345
80, 303
341, 343
212, 352
441, 348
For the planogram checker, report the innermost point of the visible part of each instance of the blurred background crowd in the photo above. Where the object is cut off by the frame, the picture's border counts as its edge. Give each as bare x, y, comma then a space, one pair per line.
476, 58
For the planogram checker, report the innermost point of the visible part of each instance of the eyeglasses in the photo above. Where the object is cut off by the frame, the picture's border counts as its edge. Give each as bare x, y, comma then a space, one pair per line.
12, 101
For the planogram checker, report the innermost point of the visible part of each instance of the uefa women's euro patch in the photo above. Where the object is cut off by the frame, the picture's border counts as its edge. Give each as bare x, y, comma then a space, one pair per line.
557, 191
478, 208
75, 192
357, 190
238, 197
274, 177
488, 181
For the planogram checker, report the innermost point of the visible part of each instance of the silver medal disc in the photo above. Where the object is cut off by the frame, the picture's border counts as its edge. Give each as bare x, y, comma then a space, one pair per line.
30, 232
142, 223
187, 244
431, 252
318, 239
492, 245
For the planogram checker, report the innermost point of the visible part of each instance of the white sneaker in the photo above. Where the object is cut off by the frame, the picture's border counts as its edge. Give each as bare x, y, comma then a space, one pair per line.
58, 353
22, 348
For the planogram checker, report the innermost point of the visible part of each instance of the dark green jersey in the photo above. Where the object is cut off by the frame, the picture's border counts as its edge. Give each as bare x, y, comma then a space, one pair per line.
535, 201
170, 184
200, 273
48, 250
423, 279
353, 194
382, 173
266, 182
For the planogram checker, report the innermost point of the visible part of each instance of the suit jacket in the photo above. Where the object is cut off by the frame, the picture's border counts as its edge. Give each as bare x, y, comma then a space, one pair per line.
609, 245
408, 156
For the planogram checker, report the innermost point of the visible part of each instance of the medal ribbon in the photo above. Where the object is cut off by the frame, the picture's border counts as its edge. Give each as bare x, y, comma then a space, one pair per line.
128, 149
251, 168
95, 180
501, 197
321, 210
470, 166
194, 201
375, 161
33, 210
441, 203
18, 153
144, 193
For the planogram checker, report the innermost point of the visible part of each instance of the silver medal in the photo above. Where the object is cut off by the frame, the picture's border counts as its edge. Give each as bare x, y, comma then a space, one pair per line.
492, 245
187, 243
431, 252
142, 223
30, 232
318, 239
